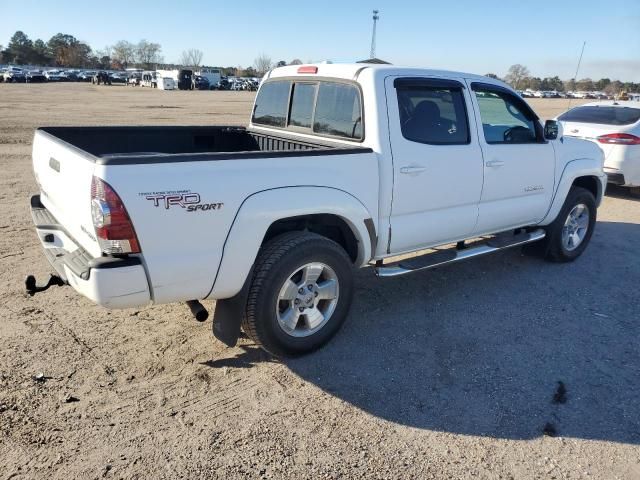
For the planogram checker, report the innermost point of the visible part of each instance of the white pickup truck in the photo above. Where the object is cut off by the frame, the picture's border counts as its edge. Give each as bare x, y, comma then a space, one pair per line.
341, 166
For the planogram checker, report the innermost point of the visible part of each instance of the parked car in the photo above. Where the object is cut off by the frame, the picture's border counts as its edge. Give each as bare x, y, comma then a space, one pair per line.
149, 79
237, 85
615, 127
14, 75
101, 77
69, 76
86, 76
119, 77
165, 83
185, 79
134, 79
276, 243
223, 84
35, 76
201, 83
213, 76
54, 76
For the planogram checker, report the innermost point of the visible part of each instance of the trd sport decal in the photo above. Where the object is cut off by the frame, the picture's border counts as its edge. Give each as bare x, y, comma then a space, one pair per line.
180, 198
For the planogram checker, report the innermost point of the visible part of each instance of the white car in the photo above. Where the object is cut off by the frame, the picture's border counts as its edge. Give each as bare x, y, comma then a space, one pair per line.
341, 166
54, 76
615, 127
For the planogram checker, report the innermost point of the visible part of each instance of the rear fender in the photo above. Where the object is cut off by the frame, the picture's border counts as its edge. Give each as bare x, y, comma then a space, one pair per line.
261, 209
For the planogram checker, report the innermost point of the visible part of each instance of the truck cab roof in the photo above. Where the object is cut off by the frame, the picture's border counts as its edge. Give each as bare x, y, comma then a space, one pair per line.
351, 71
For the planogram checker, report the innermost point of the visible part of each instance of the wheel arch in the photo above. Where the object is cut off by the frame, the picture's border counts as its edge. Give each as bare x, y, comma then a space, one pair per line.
591, 183
579, 172
329, 225
327, 211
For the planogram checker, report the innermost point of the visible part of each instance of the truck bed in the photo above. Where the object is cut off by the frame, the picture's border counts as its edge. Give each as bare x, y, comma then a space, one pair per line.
160, 144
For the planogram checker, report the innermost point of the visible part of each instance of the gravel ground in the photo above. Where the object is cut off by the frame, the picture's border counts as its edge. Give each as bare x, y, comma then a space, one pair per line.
451, 373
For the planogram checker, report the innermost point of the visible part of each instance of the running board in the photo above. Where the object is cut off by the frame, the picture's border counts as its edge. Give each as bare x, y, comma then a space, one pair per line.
452, 255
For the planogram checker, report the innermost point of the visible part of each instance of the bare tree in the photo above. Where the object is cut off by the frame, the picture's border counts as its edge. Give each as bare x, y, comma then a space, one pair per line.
148, 53
296, 61
516, 74
191, 58
124, 52
262, 64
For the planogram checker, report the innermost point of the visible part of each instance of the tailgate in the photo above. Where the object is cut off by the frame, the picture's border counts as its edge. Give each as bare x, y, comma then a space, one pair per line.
63, 173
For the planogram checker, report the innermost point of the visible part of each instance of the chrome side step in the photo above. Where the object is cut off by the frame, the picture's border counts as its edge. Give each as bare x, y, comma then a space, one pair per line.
442, 257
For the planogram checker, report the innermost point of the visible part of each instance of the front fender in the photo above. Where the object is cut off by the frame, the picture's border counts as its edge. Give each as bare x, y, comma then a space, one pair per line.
260, 210
584, 167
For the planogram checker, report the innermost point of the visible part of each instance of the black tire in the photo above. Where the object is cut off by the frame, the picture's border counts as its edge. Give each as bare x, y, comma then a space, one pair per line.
555, 250
276, 261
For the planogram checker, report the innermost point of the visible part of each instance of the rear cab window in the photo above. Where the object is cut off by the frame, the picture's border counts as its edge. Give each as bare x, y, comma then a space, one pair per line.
604, 115
324, 107
271, 105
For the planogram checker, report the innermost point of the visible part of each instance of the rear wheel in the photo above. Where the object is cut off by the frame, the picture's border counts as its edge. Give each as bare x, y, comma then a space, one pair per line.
570, 233
300, 293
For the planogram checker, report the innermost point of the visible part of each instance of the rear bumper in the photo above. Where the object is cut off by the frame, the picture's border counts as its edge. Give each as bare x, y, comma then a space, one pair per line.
623, 165
113, 282
615, 178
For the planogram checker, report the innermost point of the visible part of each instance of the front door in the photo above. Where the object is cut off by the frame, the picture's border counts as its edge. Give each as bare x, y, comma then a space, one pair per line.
519, 165
437, 162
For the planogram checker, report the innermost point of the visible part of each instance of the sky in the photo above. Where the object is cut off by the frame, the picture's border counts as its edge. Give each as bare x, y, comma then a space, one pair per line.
472, 36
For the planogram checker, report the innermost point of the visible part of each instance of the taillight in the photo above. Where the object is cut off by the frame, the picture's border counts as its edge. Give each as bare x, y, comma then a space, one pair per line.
619, 139
111, 221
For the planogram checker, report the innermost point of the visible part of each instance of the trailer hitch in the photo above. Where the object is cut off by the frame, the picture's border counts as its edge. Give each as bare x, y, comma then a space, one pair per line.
32, 288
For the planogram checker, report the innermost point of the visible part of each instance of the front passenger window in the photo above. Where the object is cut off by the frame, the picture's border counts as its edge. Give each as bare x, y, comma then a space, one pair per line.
504, 118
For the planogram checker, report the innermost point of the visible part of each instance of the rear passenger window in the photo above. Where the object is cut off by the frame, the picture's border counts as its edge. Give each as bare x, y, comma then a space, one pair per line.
304, 94
432, 114
338, 111
272, 103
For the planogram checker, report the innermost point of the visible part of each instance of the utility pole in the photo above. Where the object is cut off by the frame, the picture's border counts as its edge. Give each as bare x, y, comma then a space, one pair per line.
373, 35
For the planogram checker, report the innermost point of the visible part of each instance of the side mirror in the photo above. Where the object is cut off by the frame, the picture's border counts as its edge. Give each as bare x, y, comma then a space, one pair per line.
552, 130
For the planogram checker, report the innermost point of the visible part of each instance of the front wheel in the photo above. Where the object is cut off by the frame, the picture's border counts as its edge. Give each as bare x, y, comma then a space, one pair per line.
569, 234
300, 293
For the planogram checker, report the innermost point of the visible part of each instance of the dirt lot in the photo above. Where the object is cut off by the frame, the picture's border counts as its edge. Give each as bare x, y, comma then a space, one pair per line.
444, 374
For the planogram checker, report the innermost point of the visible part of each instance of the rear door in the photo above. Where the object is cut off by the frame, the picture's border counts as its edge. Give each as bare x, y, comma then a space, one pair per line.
519, 164
437, 162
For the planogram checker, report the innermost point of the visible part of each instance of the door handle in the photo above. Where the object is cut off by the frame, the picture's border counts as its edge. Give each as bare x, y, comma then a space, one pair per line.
412, 170
494, 163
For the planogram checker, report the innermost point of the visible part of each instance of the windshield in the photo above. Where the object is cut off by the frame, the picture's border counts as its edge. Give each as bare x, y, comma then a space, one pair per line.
605, 115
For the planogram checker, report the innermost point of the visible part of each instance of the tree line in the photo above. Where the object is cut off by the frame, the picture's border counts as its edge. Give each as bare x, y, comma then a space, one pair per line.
64, 50
519, 77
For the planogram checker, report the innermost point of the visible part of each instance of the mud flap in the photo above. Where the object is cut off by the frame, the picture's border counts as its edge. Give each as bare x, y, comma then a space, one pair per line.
228, 315
227, 319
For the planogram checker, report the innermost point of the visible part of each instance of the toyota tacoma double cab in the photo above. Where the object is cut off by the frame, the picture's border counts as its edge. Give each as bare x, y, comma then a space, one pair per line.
340, 166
